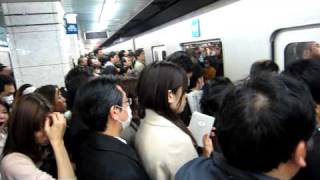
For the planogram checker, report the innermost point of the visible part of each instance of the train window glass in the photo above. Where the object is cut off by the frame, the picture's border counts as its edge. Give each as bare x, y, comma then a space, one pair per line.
207, 53
156, 56
301, 50
164, 55
159, 53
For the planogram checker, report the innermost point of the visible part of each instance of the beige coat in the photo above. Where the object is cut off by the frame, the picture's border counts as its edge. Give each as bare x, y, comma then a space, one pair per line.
162, 147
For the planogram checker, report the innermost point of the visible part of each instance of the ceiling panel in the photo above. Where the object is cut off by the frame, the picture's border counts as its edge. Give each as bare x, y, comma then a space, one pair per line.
89, 12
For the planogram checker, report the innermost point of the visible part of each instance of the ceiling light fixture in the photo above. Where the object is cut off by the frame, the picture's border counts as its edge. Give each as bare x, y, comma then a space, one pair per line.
109, 11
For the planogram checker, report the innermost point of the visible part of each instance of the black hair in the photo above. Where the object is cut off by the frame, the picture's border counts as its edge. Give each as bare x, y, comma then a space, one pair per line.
263, 67
121, 54
5, 80
2, 66
262, 120
182, 59
197, 73
111, 55
138, 52
308, 72
94, 101
213, 93
73, 80
154, 83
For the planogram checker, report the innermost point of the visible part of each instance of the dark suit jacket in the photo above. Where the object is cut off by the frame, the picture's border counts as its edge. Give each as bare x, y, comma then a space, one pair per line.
104, 157
215, 168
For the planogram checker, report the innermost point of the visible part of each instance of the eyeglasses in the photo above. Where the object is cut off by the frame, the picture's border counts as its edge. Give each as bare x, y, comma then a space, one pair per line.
129, 101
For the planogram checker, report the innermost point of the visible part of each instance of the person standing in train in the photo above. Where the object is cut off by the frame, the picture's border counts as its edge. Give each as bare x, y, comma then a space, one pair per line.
308, 72
104, 108
139, 64
163, 142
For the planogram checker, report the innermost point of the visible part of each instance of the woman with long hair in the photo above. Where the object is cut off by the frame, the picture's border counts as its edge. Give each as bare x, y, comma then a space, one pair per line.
31, 126
163, 142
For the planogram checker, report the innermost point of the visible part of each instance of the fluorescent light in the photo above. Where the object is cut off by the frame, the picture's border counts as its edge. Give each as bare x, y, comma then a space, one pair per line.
109, 11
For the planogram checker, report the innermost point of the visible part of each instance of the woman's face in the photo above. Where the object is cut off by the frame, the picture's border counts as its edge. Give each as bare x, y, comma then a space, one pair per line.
60, 102
4, 114
177, 100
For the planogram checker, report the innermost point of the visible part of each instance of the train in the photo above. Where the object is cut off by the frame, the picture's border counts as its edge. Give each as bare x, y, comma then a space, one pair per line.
243, 30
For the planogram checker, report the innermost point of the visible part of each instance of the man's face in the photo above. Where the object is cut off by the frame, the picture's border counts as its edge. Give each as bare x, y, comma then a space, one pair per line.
9, 89
315, 50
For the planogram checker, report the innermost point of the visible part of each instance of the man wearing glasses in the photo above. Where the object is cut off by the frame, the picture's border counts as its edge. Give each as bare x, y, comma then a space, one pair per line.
104, 107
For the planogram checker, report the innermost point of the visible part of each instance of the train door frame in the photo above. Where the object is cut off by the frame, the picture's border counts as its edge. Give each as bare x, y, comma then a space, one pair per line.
281, 38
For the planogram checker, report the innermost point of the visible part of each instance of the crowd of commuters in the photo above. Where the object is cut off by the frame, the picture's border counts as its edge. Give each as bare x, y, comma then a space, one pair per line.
119, 118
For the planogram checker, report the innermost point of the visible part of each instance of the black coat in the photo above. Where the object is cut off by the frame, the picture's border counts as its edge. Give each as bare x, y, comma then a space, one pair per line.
215, 168
104, 157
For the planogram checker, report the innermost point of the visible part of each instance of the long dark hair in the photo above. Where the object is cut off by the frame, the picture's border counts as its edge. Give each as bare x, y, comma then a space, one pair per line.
154, 82
26, 118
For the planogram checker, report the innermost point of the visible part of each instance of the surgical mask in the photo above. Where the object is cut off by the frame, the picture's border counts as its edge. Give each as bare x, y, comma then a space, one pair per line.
126, 123
8, 99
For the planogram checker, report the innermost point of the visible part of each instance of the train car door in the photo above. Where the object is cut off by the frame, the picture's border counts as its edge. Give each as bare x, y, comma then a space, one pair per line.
296, 43
208, 53
159, 53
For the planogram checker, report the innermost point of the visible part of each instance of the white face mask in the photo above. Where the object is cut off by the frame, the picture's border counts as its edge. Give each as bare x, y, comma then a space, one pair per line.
126, 123
8, 99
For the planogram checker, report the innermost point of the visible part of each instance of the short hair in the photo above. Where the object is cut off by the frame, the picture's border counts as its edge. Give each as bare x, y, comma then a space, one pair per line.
5, 80
75, 78
262, 120
263, 67
112, 54
94, 101
308, 72
197, 73
182, 59
138, 52
80, 59
27, 117
213, 93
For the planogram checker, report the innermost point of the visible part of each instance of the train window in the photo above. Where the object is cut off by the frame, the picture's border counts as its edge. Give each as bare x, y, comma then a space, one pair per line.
208, 53
159, 53
164, 55
301, 50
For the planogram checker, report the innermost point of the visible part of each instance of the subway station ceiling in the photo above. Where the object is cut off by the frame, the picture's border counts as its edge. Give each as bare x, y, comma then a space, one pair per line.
104, 15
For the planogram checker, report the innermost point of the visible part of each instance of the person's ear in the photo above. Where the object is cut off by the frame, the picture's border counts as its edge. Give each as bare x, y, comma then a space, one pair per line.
114, 113
300, 154
171, 97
